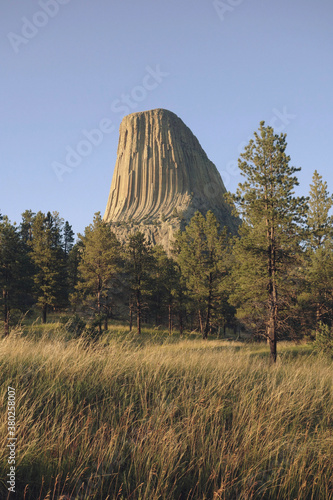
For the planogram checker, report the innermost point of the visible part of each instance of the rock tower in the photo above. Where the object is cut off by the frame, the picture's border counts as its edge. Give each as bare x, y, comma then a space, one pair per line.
161, 178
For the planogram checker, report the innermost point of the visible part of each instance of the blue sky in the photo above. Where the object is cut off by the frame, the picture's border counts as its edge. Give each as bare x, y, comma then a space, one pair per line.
70, 67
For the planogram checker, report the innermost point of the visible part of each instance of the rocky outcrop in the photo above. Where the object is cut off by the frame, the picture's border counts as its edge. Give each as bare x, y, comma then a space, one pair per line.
161, 178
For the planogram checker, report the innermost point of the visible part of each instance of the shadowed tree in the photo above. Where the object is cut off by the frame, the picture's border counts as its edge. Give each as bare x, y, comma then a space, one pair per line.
73, 261
318, 295
201, 255
46, 256
98, 267
319, 222
68, 238
180, 291
26, 225
25, 232
165, 278
14, 275
58, 236
139, 264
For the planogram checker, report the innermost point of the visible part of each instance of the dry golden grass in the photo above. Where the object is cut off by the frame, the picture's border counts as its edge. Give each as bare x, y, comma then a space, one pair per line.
178, 419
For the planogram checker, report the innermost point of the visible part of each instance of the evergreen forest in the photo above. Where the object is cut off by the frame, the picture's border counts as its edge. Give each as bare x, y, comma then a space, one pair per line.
271, 281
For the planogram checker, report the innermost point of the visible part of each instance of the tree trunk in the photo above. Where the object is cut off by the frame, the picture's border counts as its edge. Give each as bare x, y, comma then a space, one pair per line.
44, 313
180, 312
99, 308
6, 313
106, 322
170, 319
272, 291
6, 324
271, 334
158, 311
317, 318
201, 324
130, 316
209, 307
272, 320
189, 318
138, 312
181, 325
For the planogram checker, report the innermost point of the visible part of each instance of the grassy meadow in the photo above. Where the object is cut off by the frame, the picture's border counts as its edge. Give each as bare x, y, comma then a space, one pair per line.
163, 417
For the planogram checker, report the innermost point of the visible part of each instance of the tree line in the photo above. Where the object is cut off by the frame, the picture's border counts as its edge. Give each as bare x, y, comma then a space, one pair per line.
274, 278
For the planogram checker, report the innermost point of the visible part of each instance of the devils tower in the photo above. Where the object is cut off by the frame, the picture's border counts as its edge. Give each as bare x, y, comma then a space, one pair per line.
161, 178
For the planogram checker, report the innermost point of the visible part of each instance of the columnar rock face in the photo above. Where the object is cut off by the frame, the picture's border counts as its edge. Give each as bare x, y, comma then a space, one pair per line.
161, 178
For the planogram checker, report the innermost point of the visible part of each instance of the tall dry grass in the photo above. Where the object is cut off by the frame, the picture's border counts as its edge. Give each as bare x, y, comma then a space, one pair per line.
185, 419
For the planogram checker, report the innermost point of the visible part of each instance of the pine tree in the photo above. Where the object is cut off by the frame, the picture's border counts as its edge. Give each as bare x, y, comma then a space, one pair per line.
202, 248
46, 256
98, 267
319, 255
180, 292
25, 232
26, 225
139, 263
271, 231
73, 261
56, 225
13, 263
319, 222
319, 285
68, 238
69, 263
165, 279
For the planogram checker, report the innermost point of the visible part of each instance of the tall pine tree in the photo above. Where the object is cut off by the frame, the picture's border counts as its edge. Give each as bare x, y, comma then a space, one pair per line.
165, 279
319, 221
98, 267
139, 264
271, 230
68, 238
319, 254
14, 263
46, 255
202, 247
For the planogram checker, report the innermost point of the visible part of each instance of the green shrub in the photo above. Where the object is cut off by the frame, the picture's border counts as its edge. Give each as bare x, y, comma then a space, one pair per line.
324, 339
75, 325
